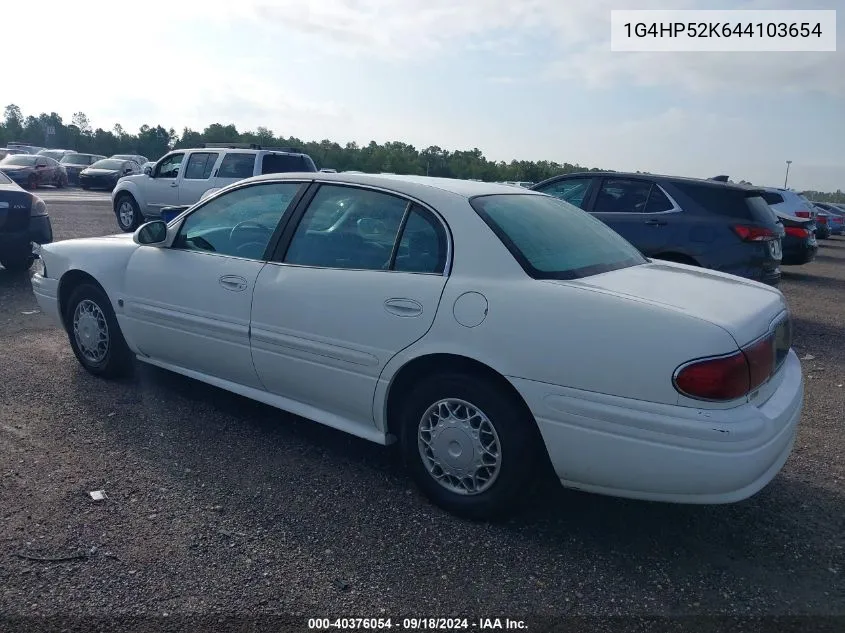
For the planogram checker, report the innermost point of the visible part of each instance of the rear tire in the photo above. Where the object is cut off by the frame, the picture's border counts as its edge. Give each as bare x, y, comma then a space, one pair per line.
127, 213
94, 333
471, 448
17, 264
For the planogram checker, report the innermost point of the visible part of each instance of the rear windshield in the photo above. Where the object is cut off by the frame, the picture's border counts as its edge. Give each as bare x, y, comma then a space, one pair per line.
552, 239
4, 179
284, 163
729, 201
108, 163
771, 197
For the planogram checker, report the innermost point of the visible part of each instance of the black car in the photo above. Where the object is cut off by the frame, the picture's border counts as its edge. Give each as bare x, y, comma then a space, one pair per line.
75, 163
23, 220
105, 173
719, 225
799, 240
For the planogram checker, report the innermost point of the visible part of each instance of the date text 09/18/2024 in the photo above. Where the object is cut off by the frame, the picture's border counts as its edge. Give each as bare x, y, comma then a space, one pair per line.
417, 624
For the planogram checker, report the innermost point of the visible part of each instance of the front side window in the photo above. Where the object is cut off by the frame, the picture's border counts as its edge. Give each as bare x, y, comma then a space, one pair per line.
622, 196
237, 165
169, 167
552, 239
239, 223
200, 165
571, 190
345, 227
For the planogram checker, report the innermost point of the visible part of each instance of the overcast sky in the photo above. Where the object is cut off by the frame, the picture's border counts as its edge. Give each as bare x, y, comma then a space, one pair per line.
525, 79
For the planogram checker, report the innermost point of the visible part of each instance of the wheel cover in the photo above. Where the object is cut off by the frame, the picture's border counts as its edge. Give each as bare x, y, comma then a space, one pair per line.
91, 331
459, 446
126, 213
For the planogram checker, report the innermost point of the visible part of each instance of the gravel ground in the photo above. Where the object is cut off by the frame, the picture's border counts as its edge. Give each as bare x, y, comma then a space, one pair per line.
219, 505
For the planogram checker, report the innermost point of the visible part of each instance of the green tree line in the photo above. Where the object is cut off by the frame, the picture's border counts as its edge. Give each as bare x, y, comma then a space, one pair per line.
395, 156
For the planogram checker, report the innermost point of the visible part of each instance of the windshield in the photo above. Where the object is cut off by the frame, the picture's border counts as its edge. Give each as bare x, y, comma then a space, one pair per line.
27, 160
76, 159
108, 163
552, 239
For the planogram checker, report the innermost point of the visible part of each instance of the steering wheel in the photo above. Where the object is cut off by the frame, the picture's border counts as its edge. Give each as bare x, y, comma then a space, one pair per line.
249, 224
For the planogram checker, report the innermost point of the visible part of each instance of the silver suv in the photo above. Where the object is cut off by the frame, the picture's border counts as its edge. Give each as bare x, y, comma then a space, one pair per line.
181, 177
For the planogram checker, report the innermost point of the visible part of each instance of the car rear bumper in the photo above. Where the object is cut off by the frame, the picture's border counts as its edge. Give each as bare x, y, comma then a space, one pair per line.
39, 231
630, 448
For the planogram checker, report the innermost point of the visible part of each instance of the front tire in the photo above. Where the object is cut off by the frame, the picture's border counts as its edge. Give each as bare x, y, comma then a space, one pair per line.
127, 213
470, 447
94, 333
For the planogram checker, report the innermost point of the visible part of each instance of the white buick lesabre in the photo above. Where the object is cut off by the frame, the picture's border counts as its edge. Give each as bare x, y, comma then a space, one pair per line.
490, 330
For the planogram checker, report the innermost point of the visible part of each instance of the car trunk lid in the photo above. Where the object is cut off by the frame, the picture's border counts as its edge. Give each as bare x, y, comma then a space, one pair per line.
743, 308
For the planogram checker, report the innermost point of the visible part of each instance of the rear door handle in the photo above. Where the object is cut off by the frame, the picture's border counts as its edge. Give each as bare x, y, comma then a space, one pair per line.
174, 184
656, 222
233, 283
403, 307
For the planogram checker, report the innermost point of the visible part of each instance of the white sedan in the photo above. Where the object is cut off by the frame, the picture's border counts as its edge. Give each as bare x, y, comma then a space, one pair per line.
490, 330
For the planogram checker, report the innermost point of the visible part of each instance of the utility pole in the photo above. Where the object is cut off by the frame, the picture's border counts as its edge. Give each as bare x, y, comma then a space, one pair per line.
788, 163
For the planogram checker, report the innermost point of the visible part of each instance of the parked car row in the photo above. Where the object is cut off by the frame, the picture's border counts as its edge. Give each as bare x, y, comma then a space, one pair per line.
59, 167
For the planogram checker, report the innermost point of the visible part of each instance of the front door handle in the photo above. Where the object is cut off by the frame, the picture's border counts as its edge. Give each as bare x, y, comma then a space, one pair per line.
403, 307
656, 222
233, 283
174, 184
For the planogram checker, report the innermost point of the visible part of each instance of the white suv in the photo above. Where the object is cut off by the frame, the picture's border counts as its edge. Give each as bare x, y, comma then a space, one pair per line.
181, 177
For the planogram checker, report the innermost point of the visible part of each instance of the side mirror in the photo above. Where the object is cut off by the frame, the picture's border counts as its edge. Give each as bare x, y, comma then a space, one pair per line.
148, 171
151, 234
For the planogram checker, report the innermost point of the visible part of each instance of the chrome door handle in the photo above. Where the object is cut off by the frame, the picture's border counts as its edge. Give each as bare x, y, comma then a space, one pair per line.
233, 283
403, 307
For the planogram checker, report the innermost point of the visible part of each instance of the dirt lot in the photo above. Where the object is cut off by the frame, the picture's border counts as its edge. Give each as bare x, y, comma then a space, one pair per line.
218, 505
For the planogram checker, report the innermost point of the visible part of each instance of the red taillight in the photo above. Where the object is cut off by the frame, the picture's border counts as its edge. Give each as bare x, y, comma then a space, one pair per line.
723, 378
761, 361
795, 231
802, 214
728, 377
754, 233
821, 219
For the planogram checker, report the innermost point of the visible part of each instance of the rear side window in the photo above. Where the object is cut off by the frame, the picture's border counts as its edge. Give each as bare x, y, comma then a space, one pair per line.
552, 239
725, 201
622, 196
200, 165
658, 202
237, 165
772, 198
283, 163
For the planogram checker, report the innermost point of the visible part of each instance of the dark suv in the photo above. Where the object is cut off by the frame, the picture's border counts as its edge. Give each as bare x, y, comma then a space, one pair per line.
23, 220
719, 225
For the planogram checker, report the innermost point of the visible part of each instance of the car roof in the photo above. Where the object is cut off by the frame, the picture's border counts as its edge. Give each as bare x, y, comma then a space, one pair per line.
406, 184
681, 179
